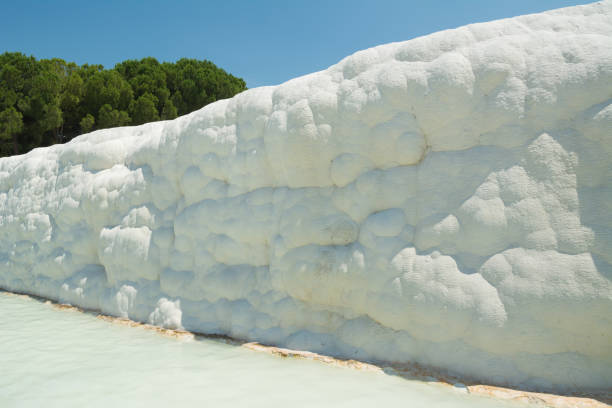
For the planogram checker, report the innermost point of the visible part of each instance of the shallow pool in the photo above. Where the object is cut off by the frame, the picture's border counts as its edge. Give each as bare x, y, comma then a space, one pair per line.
51, 357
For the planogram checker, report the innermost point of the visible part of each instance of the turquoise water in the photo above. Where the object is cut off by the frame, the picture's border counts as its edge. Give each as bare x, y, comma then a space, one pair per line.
53, 358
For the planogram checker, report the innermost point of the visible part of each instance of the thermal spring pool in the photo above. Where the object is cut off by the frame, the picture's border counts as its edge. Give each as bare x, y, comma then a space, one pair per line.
51, 357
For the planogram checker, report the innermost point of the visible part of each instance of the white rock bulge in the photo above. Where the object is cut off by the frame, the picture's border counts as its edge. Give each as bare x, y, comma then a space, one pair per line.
445, 200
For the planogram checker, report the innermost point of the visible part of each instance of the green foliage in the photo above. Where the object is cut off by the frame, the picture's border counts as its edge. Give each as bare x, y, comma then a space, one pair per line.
87, 123
109, 117
106, 87
144, 109
169, 111
43, 102
10, 125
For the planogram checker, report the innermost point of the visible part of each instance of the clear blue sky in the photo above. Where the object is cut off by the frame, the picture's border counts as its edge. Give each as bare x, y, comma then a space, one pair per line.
266, 42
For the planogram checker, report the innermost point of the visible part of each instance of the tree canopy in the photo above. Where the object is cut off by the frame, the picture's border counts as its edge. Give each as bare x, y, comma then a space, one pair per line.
48, 101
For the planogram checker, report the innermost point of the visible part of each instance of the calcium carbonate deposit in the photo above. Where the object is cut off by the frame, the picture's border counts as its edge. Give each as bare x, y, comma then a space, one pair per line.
445, 201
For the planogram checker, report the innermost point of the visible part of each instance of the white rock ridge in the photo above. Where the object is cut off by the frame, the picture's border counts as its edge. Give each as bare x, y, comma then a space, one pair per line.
445, 200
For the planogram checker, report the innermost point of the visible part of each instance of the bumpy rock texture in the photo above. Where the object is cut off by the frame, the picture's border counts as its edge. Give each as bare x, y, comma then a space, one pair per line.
445, 200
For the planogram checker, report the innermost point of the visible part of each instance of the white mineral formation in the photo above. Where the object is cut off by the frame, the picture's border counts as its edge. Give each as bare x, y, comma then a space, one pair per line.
445, 200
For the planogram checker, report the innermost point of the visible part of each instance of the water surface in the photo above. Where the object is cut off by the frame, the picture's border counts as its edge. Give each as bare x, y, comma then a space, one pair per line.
53, 358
